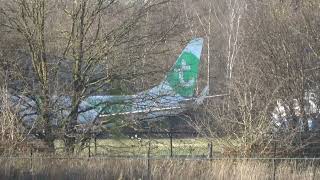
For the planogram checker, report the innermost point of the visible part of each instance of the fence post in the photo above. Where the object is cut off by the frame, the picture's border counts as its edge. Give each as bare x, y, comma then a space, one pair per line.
171, 147
210, 152
95, 145
148, 153
89, 149
31, 160
148, 160
274, 159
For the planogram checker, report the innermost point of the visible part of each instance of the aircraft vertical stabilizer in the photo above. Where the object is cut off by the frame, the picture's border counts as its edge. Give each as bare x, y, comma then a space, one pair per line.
182, 78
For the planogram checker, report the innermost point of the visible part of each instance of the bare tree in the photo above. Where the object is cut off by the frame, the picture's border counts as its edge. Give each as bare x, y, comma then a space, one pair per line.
98, 32
28, 18
99, 40
269, 54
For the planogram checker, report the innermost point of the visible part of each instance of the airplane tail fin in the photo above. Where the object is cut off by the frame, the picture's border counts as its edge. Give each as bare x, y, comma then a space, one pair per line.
182, 77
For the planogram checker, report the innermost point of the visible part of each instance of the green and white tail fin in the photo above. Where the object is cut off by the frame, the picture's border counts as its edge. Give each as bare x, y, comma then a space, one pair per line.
182, 77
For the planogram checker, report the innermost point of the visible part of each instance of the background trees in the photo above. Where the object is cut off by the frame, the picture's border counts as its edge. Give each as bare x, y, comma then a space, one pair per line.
257, 52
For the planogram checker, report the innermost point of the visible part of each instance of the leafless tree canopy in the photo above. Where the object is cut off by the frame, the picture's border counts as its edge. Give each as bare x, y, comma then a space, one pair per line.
258, 52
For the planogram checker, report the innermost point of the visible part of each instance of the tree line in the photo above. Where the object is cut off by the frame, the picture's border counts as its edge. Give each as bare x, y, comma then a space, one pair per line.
256, 51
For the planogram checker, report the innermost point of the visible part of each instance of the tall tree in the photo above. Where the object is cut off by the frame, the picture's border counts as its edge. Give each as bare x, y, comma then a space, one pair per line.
98, 30
28, 18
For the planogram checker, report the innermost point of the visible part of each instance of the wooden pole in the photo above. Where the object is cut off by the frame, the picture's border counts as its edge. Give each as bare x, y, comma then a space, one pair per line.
95, 145
210, 152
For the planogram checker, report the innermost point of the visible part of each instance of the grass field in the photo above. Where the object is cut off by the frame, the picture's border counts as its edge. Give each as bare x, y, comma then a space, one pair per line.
103, 166
85, 168
141, 147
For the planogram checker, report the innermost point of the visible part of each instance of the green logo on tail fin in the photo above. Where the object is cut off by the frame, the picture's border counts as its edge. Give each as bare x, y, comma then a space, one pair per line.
183, 76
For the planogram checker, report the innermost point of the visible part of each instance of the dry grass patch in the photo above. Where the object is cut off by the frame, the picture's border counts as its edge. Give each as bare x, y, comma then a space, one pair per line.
42, 168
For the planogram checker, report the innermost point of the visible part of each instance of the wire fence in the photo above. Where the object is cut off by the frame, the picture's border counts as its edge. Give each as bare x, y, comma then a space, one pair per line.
187, 145
145, 144
274, 165
153, 146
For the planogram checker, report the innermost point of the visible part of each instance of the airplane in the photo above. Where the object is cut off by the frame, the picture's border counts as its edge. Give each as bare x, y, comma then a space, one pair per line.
171, 97
168, 98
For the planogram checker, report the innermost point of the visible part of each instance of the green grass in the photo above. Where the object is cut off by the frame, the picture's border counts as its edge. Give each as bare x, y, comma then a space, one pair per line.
140, 147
